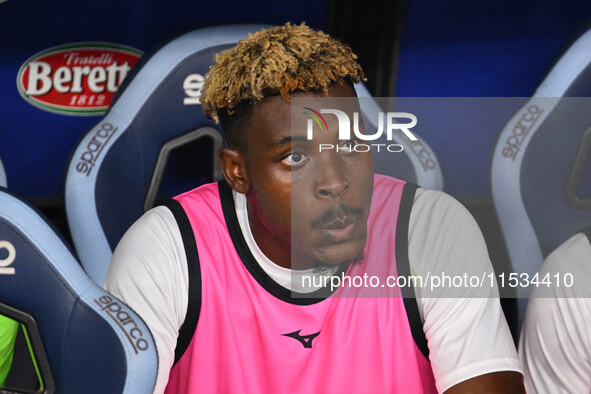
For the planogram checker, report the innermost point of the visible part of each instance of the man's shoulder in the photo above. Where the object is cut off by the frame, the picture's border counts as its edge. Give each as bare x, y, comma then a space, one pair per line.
438, 204
424, 198
206, 204
154, 228
150, 245
386, 191
381, 181
207, 189
569, 262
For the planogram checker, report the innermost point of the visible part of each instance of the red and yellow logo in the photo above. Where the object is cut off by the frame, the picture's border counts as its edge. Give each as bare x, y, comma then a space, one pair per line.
76, 79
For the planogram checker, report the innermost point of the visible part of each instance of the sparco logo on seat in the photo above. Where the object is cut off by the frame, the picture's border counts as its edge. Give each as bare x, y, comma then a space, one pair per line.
101, 136
76, 79
125, 321
520, 131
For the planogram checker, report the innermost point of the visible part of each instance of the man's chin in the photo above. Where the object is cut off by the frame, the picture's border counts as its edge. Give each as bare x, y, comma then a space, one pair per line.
345, 253
321, 268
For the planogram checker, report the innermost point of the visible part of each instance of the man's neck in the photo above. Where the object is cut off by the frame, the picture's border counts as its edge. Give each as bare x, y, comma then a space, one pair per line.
278, 251
291, 280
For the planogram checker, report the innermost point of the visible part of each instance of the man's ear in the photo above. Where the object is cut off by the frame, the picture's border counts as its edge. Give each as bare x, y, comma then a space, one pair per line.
233, 167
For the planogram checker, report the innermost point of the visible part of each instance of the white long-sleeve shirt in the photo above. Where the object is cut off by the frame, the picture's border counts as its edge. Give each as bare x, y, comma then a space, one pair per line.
467, 336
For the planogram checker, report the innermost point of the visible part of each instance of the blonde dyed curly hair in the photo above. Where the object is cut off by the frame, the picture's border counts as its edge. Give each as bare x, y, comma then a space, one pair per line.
276, 61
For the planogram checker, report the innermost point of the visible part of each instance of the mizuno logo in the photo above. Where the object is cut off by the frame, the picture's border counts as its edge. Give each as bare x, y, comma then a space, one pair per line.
305, 340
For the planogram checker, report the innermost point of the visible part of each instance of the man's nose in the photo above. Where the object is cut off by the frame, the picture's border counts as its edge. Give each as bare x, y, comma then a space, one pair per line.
331, 179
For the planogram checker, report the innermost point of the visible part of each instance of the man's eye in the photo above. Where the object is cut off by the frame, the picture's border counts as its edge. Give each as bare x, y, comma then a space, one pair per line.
348, 146
295, 158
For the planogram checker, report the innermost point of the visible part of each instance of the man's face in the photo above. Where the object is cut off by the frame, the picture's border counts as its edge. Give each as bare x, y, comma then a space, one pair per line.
303, 203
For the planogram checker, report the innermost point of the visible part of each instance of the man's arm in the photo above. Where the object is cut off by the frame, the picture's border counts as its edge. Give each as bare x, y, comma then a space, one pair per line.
496, 382
555, 341
470, 344
148, 272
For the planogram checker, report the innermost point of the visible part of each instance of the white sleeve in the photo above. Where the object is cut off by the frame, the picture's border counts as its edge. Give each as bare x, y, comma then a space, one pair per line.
465, 326
148, 272
555, 343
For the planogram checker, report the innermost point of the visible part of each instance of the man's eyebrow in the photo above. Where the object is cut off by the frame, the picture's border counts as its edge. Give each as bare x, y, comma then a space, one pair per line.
286, 140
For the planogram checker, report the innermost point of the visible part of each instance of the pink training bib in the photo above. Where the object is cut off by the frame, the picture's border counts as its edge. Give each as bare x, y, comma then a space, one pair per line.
251, 337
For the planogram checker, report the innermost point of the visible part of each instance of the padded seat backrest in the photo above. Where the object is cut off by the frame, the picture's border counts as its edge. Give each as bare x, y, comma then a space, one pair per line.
541, 170
94, 342
418, 163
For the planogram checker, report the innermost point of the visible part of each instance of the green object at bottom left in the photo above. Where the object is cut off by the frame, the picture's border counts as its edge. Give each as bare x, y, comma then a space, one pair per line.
8, 331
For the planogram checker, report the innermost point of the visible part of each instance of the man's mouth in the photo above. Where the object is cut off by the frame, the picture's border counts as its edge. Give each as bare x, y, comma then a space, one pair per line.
340, 230
338, 224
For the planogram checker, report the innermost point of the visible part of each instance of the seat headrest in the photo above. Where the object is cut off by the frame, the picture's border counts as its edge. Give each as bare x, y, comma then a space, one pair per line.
571, 74
418, 163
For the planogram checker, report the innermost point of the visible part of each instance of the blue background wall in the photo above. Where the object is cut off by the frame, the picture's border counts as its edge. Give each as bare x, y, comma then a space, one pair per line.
447, 48
35, 144
462, 48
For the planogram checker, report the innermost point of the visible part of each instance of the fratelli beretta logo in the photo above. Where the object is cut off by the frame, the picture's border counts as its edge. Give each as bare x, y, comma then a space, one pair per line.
76, 79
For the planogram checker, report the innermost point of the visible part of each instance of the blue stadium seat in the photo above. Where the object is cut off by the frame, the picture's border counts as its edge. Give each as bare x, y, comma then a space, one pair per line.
93, 342
417, 163
116, 169
540, 167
